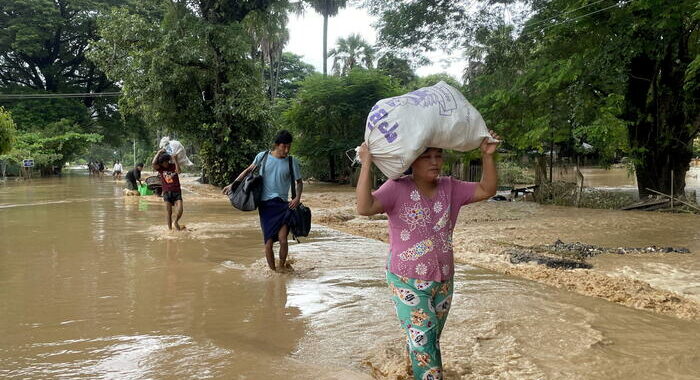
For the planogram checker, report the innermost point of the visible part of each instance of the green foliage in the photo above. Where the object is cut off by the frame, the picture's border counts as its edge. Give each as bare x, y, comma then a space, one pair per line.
327, 8
59, 144
329, 114
351, 52
124, 153
397, 68
7, 131
291, 73
35, 114
269, 35
622, 78
433, 79
186, 68
43, 44
43, 47
510, 173
565, 193
421, 26
696, 147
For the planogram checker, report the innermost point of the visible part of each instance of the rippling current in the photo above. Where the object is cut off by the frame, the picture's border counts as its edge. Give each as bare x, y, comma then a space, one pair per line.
93, 286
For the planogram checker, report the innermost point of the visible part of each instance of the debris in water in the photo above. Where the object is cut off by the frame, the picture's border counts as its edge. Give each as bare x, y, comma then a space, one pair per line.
573, 255
518, 256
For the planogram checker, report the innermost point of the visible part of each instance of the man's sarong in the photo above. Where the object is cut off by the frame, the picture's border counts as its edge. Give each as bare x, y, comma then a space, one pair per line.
274, 214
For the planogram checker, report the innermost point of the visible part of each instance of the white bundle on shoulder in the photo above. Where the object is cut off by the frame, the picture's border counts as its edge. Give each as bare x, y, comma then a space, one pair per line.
401, 128
175, 149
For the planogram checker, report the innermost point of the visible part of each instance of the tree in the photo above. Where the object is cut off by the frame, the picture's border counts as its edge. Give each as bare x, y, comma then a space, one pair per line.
577, 71
292, 71
51, 148
397, 68
7, 131
43, 46
351, 52
186, 67
326, 8
268, 30
433, 79
329, 115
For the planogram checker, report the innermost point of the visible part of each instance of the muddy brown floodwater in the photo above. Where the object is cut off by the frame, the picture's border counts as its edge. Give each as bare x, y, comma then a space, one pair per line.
621, 179
93, 286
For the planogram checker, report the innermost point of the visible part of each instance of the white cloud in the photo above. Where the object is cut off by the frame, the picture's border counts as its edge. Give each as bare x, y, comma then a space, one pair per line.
306, 39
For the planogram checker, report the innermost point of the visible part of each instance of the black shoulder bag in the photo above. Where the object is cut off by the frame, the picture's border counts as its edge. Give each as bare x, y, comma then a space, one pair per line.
300, 220
245, 194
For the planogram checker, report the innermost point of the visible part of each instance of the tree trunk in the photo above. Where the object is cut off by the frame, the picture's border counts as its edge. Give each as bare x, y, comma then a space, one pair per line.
659, 177
325, 44
331, 161
661, 132
540, 170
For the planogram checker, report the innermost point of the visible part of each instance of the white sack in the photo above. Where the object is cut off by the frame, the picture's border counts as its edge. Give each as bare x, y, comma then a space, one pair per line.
401, 128
175, 149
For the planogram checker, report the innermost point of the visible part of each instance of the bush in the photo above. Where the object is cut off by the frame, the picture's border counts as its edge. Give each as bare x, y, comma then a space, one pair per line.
564, 194
511, 173
594, 198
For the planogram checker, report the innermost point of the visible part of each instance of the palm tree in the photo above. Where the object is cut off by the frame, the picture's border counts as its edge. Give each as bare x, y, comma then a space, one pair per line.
350, 52
326, 8
269, 33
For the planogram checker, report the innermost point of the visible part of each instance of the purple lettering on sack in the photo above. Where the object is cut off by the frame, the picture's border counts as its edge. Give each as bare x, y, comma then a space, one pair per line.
375, 117
427, 97
389, 133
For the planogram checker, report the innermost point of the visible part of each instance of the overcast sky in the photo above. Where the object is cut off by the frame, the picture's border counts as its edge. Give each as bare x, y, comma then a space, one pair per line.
306, 39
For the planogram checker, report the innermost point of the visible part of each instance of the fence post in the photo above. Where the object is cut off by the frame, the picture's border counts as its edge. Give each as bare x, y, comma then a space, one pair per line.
672, 195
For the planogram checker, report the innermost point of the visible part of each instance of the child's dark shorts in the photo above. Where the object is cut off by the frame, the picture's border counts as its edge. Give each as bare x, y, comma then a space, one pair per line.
172, 196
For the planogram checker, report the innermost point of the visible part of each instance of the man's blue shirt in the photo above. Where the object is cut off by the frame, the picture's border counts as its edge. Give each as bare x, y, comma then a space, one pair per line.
276, 178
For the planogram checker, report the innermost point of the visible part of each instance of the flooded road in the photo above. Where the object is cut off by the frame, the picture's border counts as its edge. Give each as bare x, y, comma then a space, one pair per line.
621, 179
93, 286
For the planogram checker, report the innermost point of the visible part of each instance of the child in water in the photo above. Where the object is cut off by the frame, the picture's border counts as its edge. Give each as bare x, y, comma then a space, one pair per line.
168, 171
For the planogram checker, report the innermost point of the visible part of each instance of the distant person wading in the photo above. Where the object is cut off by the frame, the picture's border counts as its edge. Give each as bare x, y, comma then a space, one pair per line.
117, 170
274, 205
422, 208
133, 176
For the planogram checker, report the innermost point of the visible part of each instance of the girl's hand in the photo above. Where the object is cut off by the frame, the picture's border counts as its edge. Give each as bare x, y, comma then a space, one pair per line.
365, 155
489, 148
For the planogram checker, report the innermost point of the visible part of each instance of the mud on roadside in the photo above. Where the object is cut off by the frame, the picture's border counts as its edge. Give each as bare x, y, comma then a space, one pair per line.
485, 231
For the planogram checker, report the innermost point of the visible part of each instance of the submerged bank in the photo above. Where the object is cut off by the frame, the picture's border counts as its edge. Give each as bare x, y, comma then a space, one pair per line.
485, 230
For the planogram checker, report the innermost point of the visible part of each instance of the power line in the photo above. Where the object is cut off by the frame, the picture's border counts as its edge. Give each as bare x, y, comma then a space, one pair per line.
561, 23
576, 18
563, 13
60, 95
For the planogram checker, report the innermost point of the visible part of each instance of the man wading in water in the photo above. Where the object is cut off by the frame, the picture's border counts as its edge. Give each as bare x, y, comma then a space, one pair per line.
274, 207
422, 210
